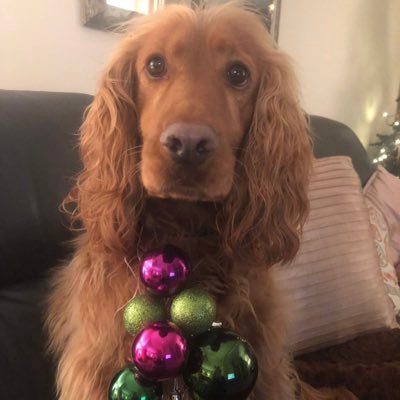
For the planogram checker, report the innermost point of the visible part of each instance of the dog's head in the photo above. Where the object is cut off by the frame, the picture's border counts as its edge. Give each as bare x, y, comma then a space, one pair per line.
199, 106
197, 80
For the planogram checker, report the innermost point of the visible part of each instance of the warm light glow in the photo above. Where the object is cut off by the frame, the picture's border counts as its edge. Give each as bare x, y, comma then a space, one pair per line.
397, 141
375, 160
383, 150
371, 109
140, 6
271, 7
385, 114
396, 123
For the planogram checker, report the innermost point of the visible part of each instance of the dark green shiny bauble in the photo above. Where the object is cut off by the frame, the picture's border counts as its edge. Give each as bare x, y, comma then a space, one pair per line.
222, 366
126, 386
193, 310
143, 310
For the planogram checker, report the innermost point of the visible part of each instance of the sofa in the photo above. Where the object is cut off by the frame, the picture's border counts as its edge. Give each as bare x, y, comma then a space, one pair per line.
38, 158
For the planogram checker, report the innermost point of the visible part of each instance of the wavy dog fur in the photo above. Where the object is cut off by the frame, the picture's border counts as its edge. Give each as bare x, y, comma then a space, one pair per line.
232, 239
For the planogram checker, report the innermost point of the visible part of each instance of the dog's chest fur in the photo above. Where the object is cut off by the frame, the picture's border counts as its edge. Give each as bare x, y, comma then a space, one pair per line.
192, 227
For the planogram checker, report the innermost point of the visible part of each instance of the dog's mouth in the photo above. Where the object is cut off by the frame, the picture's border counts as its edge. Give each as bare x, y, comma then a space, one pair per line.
209, 184
185, 192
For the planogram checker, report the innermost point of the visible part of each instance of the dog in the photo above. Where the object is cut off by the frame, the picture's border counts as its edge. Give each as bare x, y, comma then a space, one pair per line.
195, 138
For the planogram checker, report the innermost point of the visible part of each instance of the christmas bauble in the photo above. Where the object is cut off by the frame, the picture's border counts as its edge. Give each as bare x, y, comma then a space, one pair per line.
164, 271
193, 310
159, 351
127, 385
141, 311
222, 366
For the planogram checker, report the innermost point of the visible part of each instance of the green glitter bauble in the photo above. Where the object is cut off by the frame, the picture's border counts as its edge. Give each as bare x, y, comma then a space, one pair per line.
126, 386
193, 310
143, 310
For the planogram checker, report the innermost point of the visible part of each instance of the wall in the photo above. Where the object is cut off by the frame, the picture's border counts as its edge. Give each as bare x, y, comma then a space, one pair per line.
346, 52
44, 47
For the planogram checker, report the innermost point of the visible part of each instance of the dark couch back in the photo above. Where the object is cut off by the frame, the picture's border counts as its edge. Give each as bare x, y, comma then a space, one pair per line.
38, 157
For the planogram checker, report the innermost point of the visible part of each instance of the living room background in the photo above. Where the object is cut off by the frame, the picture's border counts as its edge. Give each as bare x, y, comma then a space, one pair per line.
346, 53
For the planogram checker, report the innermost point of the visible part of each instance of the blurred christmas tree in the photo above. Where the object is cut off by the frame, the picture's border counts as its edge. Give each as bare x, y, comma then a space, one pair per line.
387, 152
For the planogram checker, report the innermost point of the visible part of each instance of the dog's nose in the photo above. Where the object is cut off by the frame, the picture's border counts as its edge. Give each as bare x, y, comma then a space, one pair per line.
189, 143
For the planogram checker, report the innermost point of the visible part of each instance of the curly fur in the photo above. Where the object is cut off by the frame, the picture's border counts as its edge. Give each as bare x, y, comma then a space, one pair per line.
248, 215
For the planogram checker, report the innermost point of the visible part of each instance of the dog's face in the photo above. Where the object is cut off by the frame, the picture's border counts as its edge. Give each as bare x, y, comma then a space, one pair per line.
196, 90
197, 105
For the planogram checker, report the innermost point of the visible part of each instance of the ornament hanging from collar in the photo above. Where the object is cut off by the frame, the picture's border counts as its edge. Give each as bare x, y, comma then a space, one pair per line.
218, 365
160, 351
222, 366
164, 271
141, 311
193, 310
127, 384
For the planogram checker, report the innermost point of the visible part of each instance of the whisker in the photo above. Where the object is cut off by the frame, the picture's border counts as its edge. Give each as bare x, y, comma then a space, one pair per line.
136, 289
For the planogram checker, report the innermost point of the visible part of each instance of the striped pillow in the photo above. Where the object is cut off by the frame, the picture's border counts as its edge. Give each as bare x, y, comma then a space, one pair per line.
334, 288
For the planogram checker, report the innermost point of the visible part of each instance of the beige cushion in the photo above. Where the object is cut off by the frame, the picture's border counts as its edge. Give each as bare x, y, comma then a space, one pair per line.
334, 288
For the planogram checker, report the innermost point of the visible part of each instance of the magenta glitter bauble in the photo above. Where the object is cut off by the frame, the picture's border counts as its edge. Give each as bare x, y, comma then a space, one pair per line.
160, 351
164, 271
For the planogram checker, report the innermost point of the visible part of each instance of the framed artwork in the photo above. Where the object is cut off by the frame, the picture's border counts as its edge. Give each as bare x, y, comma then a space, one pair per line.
109, 14
272, 11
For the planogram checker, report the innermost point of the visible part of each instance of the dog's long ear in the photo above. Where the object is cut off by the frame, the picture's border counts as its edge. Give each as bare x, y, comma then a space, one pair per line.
268, 204
108, 194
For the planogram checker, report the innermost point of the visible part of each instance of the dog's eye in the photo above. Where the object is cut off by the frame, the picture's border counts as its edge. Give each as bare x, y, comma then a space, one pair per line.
156, 67
237, 75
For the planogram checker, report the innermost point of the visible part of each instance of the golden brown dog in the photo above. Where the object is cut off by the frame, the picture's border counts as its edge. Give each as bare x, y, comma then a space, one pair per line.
195, 138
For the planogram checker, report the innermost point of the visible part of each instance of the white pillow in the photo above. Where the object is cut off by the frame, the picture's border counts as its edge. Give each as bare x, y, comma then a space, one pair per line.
334, 288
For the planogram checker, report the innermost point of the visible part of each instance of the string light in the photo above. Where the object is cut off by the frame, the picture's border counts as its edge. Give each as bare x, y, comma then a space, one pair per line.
271, 8
387, 150
382, 157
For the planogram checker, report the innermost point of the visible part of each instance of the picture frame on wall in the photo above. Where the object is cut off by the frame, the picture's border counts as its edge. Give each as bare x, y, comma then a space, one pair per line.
271, 9
108, 15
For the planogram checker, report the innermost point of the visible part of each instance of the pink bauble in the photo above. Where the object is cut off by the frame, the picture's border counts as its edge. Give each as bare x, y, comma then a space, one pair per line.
164, 271
160, 351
